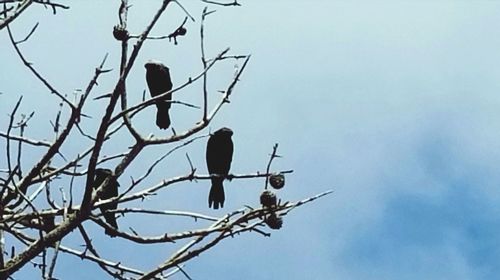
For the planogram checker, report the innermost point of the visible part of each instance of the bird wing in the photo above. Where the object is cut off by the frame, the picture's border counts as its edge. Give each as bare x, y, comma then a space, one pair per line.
158, 80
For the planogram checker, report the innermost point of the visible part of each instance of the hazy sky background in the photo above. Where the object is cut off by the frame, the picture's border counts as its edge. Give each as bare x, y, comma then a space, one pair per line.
392, 104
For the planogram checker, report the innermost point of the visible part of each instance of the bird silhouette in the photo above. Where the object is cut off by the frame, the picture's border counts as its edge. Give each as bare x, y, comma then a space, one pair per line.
109, 191
159, 81
219, 156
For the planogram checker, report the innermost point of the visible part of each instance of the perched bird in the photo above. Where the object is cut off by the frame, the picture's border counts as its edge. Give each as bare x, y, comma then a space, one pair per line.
219, 157
110, 191
159, 81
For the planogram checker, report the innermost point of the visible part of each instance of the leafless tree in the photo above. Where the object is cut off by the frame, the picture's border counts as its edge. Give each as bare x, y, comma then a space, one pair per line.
35, 218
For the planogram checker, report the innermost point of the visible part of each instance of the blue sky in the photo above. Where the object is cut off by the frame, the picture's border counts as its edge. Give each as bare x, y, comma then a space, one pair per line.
392, 104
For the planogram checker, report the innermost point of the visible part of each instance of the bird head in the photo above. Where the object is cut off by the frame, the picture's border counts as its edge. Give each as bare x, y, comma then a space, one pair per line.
103, 172
153, 64
224, 132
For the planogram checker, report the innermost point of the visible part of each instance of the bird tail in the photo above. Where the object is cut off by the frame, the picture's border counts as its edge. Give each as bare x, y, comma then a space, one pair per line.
162, 116
216, 195
111, 220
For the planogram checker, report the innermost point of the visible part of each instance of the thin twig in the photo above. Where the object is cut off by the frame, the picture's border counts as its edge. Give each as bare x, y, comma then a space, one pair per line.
271, 158
234, 3
29, 35
35, 72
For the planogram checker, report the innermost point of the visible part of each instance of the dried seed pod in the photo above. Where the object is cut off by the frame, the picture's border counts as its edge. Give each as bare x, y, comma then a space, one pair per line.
181, 31
277, 181
268, 199
120, 33
273, 221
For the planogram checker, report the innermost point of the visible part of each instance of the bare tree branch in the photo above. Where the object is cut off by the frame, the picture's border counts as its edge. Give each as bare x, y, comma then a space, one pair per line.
34, 227
234, 3
17, 11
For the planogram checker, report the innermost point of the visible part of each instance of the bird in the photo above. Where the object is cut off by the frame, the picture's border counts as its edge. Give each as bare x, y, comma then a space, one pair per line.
219, 156
111, 190
159, 81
